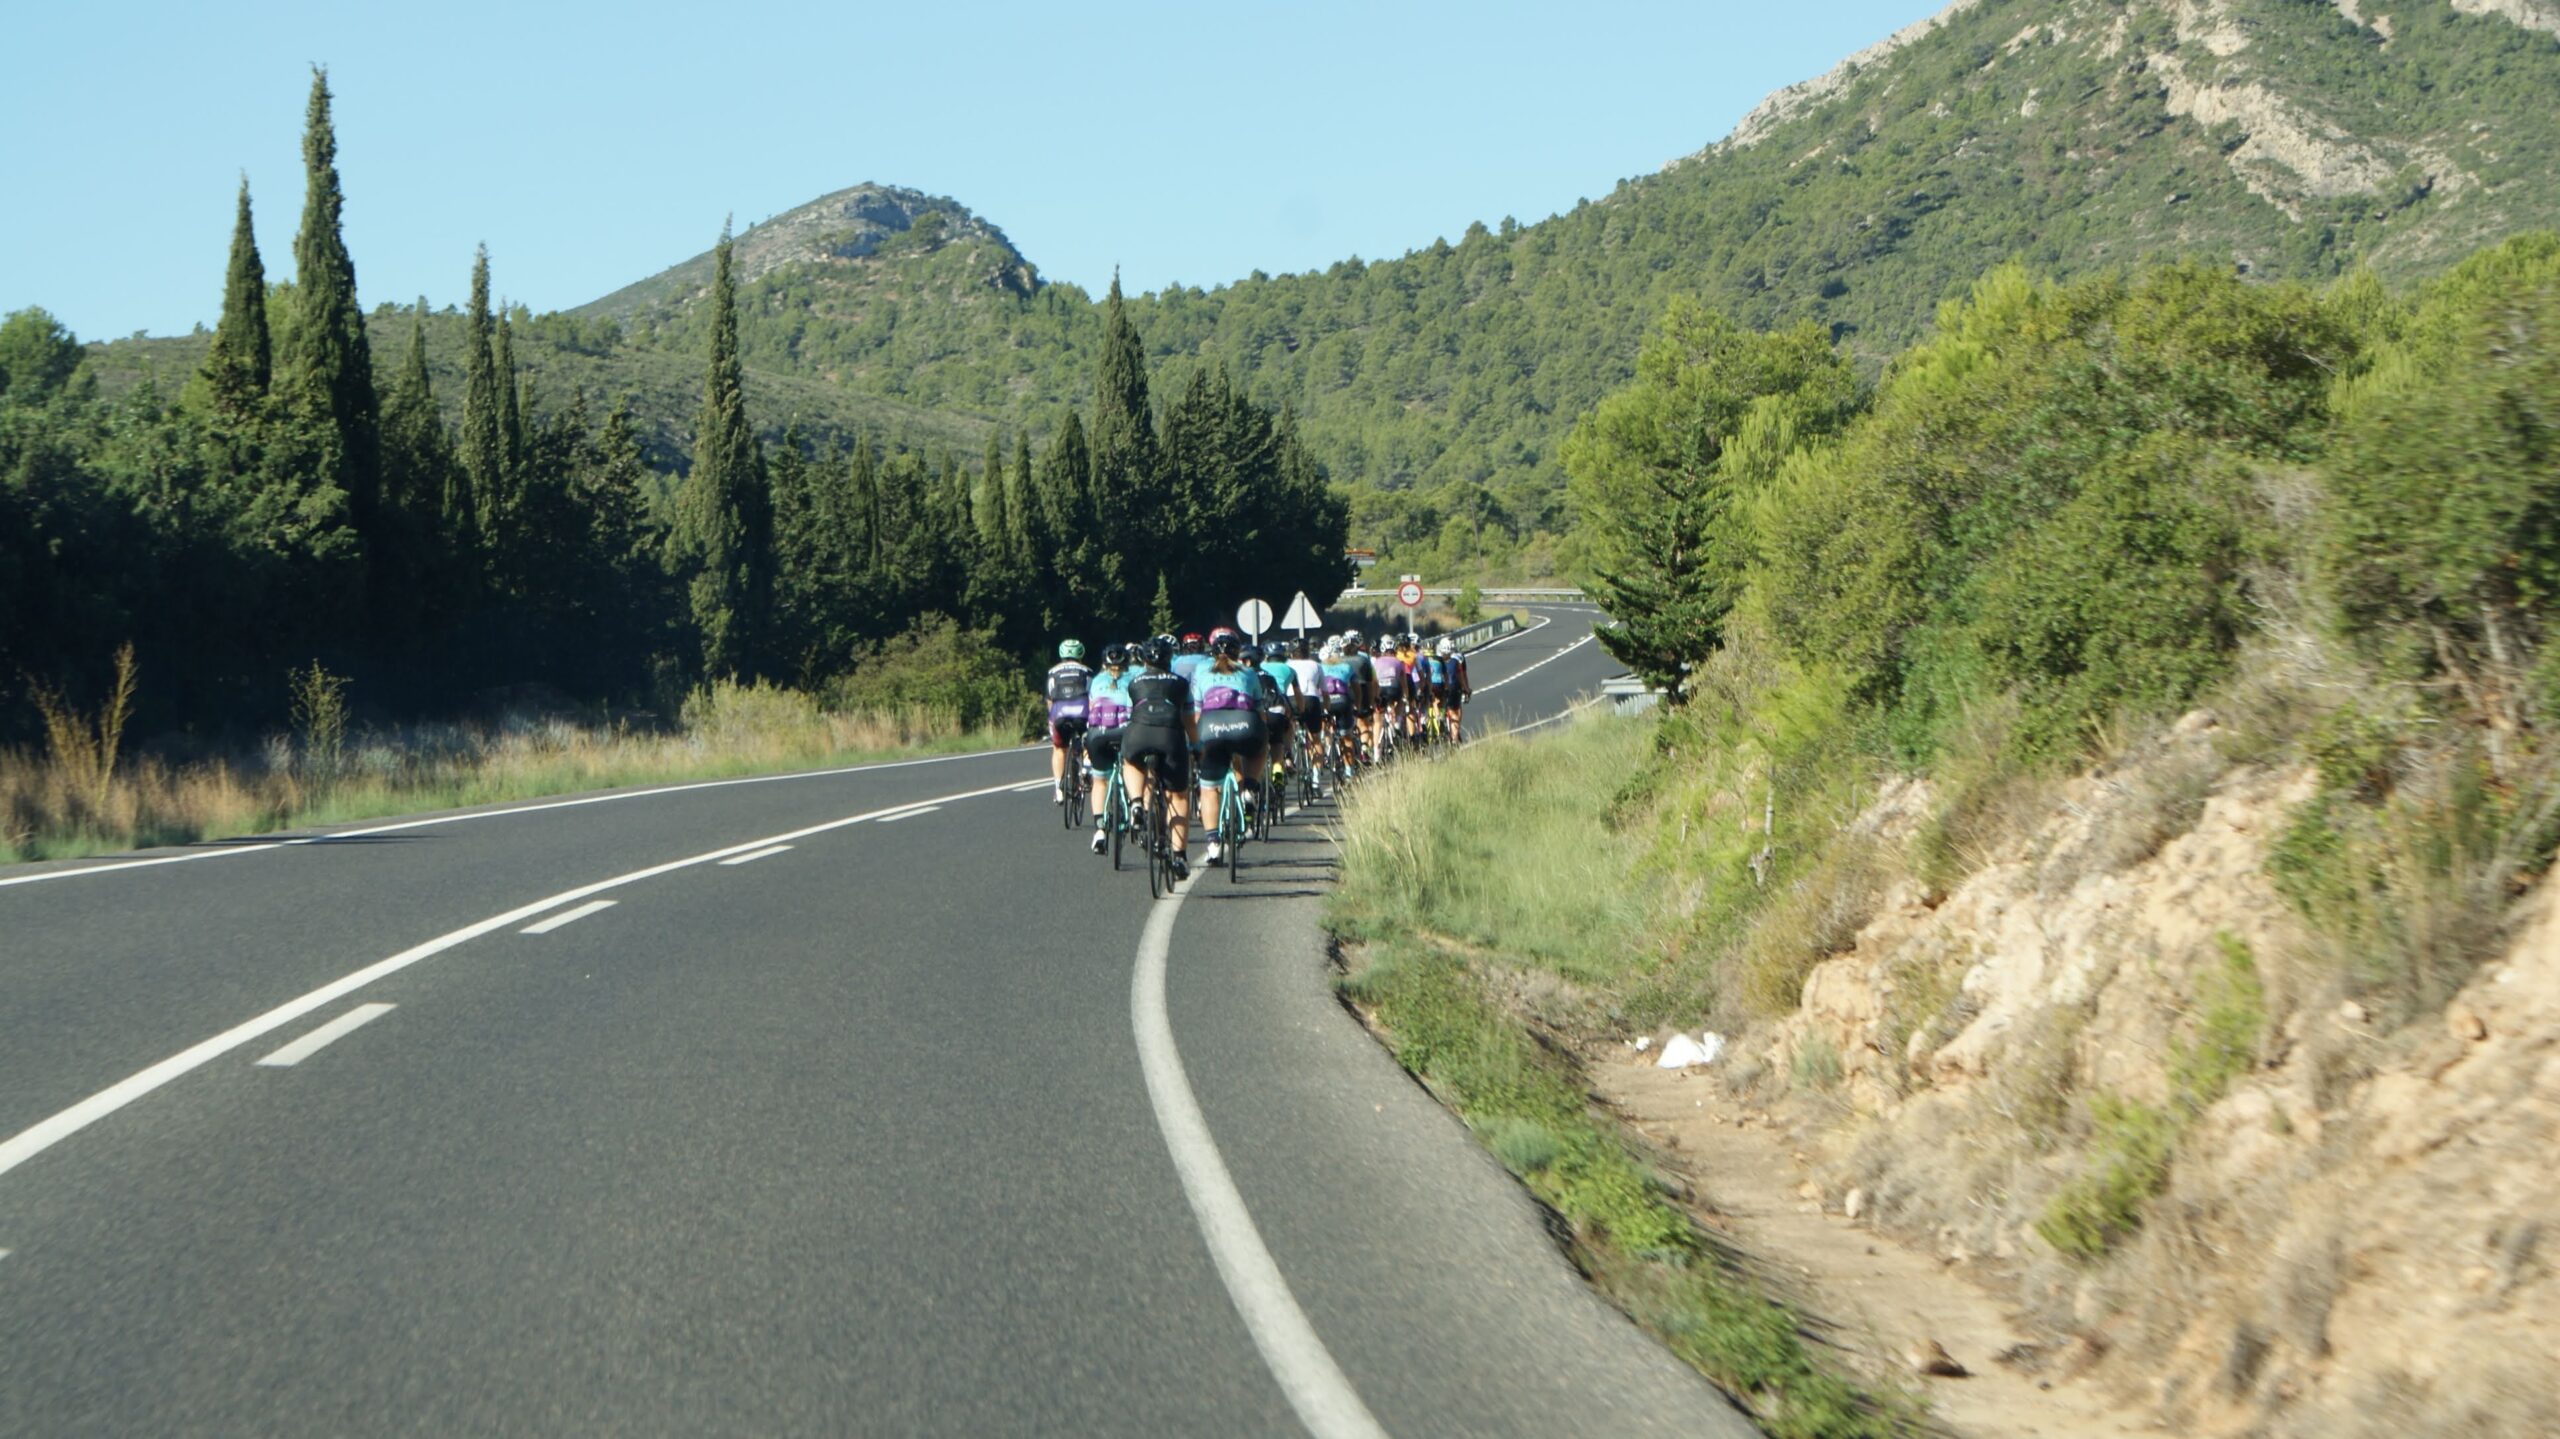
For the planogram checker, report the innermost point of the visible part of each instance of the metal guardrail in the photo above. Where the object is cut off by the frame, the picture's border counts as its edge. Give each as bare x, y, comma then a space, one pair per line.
1503, 592
1484, 632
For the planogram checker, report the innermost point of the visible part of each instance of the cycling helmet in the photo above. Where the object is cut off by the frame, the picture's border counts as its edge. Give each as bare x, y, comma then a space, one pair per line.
1157, 654
1252, 654
1221, 632
1332, 651
1448, 647
1227, 645
1168, 641
1071, 650
1351, 638
1115, 657
1191, 643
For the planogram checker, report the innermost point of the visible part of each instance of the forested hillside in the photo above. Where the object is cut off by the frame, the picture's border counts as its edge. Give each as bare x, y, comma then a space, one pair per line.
2281, 138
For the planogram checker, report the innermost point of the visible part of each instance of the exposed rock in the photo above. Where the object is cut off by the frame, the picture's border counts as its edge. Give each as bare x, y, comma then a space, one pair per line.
2543, 15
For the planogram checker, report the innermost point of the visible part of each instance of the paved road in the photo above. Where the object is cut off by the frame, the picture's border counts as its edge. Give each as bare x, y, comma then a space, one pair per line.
925, 1124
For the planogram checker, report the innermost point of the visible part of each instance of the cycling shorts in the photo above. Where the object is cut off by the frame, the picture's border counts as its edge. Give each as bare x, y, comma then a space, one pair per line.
1228, 738
1066, 730
1165, 745
1101, 749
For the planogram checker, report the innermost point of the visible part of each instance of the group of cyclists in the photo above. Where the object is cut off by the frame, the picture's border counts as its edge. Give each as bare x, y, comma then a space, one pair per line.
1236, 723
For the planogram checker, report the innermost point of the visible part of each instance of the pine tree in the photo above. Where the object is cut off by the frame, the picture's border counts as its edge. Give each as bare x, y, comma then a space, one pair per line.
483, 447
1160, 619
724, 514
513, 421
1122, 432
241, 364
420, 489
325, 356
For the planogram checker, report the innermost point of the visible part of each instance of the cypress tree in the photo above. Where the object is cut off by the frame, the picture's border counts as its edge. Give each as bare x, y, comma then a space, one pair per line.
325, 353
241, 364
511, 407
724, 514
483, 452
420, 487
1122, 431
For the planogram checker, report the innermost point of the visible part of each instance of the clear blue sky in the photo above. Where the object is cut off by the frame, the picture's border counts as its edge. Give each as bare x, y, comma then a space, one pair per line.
591, 145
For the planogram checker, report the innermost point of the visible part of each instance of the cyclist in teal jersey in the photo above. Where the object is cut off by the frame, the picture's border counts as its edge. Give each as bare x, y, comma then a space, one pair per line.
1230, 698
1340, 679
1106, 717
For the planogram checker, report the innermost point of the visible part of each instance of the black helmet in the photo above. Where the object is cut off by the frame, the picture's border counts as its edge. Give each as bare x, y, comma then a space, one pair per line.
1158, 654
1252, 654
1115, 657
1227, 646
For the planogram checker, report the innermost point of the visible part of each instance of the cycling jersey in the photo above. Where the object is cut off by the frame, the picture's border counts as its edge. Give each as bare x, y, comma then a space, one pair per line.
1337, 681
1364, 687
1283, 675
1390, 671
1069, 683
1191, 668
1230, 721
1158, 705
1107, 701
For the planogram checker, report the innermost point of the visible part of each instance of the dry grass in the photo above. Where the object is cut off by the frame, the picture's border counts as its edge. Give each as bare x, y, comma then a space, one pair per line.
71, 799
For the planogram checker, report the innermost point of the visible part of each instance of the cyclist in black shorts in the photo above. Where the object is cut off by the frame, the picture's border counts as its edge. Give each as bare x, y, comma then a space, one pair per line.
1163, 726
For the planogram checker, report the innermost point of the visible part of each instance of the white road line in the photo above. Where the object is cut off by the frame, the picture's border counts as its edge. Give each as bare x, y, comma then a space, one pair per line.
45, 1133
1035, 784
766, 853
1317, 1388
326, 1035
568, 916
1533, 669
228, 851
909, 814
1543, 622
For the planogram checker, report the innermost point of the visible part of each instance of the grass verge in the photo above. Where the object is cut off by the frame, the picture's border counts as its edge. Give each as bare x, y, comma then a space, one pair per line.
1453, 872
53, 806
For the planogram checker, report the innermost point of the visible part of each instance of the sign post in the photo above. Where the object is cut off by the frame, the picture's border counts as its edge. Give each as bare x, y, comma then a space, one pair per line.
1410, 595
1253, 617
1302, 615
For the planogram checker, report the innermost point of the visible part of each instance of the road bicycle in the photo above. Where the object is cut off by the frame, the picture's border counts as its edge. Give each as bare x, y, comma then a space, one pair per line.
1159, 827
1234, 824
1302, 758
1115, 812
1075, 811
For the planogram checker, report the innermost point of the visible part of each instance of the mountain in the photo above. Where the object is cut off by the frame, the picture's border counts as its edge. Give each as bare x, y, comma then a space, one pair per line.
2287, 138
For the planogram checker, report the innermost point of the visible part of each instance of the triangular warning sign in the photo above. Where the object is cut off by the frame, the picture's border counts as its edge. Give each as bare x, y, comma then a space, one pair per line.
1302, 615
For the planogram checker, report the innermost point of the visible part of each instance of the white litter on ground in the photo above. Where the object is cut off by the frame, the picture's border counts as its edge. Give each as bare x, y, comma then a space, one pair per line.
1682, 1052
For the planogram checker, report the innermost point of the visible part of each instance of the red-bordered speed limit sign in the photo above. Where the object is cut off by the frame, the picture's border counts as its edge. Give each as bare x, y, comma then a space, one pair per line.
1410, 592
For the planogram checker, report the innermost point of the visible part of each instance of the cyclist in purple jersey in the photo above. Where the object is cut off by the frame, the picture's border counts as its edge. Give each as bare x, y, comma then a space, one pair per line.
1231, 732
1068, 680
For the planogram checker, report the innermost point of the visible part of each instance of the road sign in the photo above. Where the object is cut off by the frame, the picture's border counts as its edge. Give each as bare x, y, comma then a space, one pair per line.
1410, 593
1253, 617
1302, 615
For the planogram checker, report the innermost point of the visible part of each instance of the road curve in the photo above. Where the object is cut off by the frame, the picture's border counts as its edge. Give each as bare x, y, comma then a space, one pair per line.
818, 1105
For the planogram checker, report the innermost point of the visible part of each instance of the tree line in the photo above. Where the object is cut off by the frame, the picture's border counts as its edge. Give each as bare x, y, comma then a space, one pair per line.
296, 500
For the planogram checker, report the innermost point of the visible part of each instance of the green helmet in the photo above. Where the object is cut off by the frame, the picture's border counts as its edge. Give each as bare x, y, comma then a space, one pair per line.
1071, 650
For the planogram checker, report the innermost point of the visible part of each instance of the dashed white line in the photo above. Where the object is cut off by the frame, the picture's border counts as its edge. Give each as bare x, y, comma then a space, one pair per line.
908, 814
767, 852
1542, 664
45, 1133
326, 1035
568, 916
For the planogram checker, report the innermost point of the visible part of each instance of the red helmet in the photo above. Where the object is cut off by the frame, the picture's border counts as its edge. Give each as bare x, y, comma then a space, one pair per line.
1192, 638
1221, 633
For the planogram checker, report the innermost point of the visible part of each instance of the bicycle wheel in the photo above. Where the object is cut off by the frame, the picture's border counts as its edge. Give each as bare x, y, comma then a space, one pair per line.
1159, 834
1115, 813
1232, 825
1073, 811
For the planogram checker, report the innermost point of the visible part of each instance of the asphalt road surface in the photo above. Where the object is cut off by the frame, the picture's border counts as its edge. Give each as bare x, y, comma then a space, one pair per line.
620, 1116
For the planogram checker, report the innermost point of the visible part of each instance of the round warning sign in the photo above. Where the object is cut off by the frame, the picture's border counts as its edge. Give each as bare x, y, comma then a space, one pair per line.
1410, 592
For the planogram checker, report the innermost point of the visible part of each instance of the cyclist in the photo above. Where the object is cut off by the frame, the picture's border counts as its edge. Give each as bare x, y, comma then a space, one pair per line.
1337, 678
1106, 715
1302, 666
1454, 688
1190, 659
1163, 726
1230, 727
1279, 702
1389, 668
1069, 679
1364, 691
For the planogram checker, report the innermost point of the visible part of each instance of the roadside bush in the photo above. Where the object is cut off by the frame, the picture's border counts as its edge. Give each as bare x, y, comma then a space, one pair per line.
938, 666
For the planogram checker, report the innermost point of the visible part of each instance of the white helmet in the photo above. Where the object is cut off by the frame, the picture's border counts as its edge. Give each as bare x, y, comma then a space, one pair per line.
1332, 650
1448, 647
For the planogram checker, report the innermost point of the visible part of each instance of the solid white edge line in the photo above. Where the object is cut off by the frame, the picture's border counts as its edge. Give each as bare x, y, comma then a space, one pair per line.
45, 1133
326, 1035
476, 815
1317, 1389
766, 853
568, 916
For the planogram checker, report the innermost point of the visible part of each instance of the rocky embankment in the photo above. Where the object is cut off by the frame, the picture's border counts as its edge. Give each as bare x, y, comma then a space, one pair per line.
2110, 1078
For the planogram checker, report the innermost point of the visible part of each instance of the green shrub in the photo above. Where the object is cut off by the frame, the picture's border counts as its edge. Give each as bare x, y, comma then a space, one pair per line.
2230, 1022
2130, 1148
938, 666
